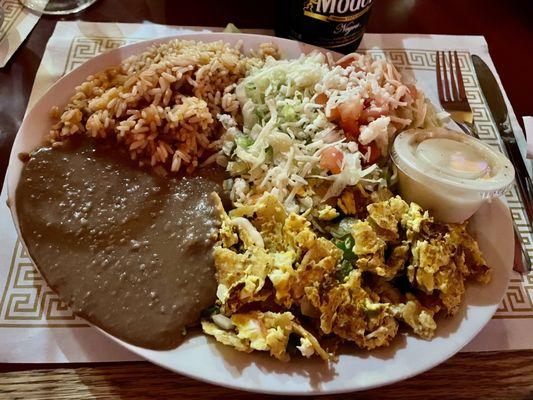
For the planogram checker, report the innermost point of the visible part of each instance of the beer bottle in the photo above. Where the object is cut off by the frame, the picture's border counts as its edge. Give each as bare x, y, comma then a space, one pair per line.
334, 24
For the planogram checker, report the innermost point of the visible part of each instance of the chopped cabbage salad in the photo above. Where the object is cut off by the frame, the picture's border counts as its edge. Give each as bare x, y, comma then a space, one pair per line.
310, 127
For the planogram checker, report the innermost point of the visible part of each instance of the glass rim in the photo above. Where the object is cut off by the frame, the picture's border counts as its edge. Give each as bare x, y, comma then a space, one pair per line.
77, 6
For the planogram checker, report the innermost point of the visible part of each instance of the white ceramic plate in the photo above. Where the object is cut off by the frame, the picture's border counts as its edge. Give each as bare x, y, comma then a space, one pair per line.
202, 358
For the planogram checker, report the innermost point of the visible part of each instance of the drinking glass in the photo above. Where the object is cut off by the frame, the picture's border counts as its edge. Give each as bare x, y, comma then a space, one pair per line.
57, 7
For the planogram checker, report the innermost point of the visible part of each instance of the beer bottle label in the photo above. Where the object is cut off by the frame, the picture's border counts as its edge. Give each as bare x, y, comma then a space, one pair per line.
335, 24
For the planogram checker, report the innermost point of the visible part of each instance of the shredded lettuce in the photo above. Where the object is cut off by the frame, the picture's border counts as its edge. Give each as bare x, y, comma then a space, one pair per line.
280, 144
244, 141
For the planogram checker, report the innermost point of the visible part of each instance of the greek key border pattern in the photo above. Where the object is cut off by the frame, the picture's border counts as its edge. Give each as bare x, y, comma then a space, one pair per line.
83, 48
12, 10
518, 300
28, 302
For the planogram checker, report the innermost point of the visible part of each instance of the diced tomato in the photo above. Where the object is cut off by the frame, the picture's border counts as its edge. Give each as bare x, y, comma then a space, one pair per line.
349, 112
375, 152
321, 99
352, 132
334, 114
331, 160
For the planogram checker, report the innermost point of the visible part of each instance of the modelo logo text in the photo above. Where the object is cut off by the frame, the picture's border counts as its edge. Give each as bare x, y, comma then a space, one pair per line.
340, 6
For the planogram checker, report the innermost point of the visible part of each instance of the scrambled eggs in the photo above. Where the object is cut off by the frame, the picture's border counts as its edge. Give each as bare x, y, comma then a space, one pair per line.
376, 263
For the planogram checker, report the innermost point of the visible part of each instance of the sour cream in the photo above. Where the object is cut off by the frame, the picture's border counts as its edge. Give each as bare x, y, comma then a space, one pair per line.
448, 172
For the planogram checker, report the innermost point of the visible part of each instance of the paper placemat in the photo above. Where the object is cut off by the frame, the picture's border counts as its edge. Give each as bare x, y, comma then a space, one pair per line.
36, 327
18, 23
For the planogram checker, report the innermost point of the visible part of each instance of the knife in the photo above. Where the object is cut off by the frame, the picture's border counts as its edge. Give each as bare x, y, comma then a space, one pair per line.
494, 98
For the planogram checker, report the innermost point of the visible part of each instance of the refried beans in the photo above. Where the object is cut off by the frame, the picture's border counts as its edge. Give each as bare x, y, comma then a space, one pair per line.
129, 251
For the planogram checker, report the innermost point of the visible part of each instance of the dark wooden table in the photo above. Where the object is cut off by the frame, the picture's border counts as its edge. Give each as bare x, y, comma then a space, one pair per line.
508, 29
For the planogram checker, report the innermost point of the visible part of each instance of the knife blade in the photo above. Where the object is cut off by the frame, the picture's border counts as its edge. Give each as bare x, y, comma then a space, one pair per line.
494, 97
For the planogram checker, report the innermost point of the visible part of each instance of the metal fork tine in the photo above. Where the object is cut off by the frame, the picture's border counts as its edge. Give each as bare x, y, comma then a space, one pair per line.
452, 78
445, 73
439, 78
451, 88
461, 84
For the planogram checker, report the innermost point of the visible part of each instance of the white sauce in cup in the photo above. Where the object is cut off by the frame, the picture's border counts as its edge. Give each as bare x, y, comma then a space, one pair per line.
449, 173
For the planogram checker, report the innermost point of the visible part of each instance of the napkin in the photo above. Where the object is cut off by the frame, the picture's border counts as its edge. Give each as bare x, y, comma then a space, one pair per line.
18, 23
36, 327
528, 125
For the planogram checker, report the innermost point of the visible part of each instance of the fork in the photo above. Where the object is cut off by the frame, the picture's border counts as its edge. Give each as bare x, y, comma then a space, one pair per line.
452, 94
452, 97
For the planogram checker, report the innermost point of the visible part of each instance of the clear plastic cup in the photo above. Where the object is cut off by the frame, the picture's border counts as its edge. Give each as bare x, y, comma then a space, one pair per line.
449, 173
57, 7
